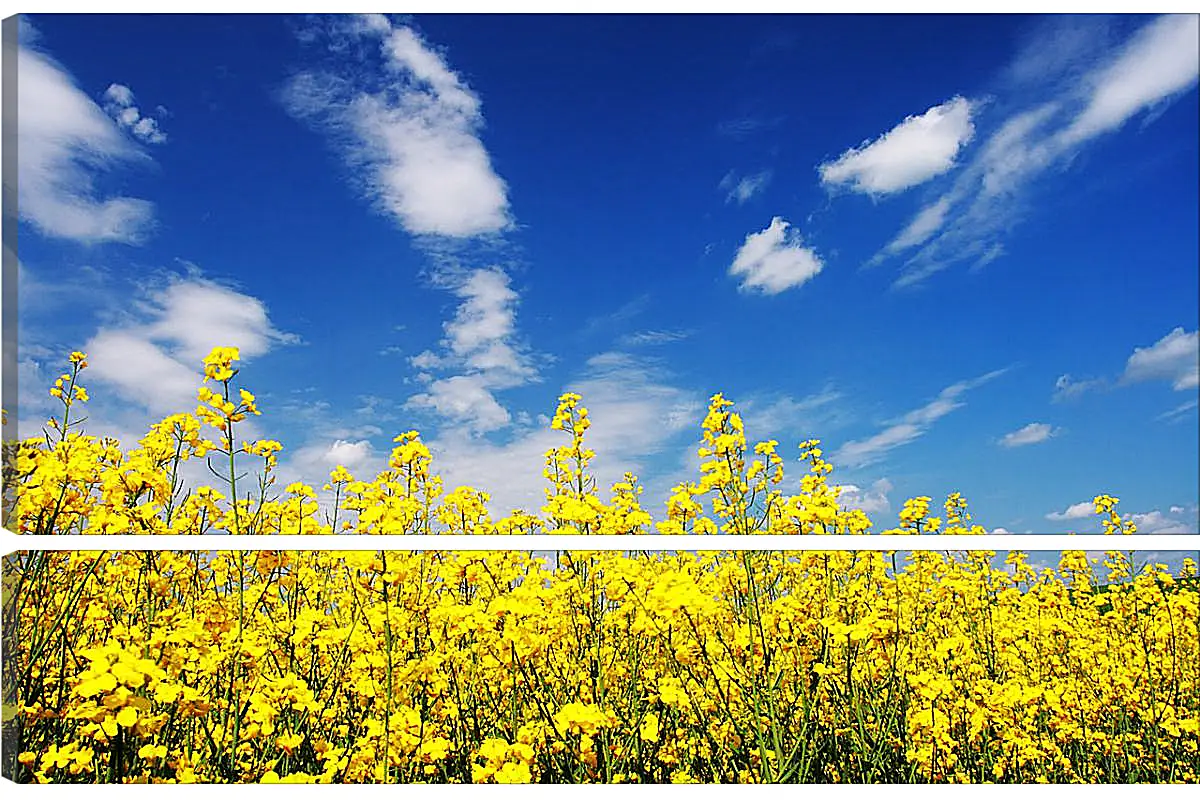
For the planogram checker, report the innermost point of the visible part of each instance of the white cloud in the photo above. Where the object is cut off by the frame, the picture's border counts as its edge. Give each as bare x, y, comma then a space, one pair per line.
924, 225
66, 143
118, 102
1033, 433
654, 337
635, 414
918, 149
811, 415
411, 133
743, 127
1174, 358
1058, 49
1162, 60
740, 190
1157, 522
465, 399
1090, 93
482, 330
480, 343
426, 359
143, 371
871, 501
1077, 511
862, 452
33, 381
1000, 531
154, 358
1067, 388
1018, 150
313, 462
197, 315
1178, 413
775, 259
908, 428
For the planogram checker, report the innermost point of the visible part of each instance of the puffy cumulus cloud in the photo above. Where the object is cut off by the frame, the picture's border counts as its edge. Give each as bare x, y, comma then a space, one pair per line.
407, 125
1174, 358
872, 501
481, 333
153, 358
351, 455
480, 346
197, 314
464, 399
119, 103
67, 143
1033, 433
774, 259
142, 370
1076, 511
1158, 522
918, 149
312, 463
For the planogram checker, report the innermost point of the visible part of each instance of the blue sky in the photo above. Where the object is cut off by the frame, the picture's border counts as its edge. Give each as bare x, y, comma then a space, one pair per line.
961, 251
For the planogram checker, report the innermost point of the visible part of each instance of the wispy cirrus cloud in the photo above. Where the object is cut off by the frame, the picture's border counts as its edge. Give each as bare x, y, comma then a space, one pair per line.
775, 259
1159, 62
909, 427
919, 148
1065, 101
653, 337
1178, 413
923, 225
810, 416
407, 125
739, 190
67, 143
740, 128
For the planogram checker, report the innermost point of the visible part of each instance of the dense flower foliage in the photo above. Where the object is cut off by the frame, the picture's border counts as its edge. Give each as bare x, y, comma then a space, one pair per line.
510, 667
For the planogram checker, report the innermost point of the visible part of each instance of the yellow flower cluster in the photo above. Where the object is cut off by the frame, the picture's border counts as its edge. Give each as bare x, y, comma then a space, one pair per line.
506, 667
495, 667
